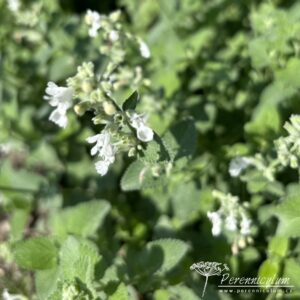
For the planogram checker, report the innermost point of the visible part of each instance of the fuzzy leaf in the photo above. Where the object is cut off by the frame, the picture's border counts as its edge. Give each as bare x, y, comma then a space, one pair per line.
134, 176
172, 251
83, 219
36, 254
77, 259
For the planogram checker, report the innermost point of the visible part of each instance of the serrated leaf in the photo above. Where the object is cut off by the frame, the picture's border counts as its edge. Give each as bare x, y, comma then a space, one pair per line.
77, 259
46, 282
36, 254
131, 102
83, 219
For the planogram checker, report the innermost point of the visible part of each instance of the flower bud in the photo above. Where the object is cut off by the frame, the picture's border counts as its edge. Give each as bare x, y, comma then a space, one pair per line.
109, 108
115, 16
131, 152
81, 108
86, 86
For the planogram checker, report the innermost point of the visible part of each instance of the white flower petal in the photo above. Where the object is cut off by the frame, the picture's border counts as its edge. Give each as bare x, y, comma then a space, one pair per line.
59, 118
237, 165
60, 97
145, 134
13, 5
102, 167
93, 139
245, 225
231, 223
144, 50
216, 220
113, 36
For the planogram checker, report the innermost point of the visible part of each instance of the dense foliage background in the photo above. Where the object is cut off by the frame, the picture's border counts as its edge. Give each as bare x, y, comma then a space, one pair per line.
222, 80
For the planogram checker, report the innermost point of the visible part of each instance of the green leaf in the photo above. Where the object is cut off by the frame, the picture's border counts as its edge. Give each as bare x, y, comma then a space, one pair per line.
131, 102
18, 222
270, 270
134, 176
288, 214
78, 258
172, 251
279, 245
121, 293
83, 219
36, 254
181, 140
185, 202
292, 271
19, 178
46, 282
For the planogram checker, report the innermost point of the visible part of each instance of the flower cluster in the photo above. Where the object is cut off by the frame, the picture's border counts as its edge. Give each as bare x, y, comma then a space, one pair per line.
123, 128
231, 216
288, 148
241, 163
112, 32
238, 164
13, 5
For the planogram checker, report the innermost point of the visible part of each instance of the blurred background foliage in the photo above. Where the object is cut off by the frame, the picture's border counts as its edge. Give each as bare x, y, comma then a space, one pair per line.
228, 70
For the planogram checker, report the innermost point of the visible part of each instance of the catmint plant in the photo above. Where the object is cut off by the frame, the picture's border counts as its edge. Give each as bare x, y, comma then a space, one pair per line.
288, 148
123, 128
232, 216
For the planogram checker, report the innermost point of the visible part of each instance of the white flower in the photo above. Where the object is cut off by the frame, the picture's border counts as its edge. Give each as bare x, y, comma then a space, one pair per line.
102, 167
237, 165
94, 20
102, 146
105, 149
61, 98
245, 225
216, 221
144, 49
13, 5
7, 296
113, 36
231, 222
144, 133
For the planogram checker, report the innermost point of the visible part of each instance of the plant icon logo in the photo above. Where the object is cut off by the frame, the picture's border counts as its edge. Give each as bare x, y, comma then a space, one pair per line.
208, 269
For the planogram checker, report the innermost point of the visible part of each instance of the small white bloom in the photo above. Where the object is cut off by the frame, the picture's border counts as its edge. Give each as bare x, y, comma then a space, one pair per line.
61, 98
7, 296
103, 145
105, 149
93, 19
216, 221
144, 133
59, 117
13, 5
144, 49
231, 222
102, 167
237, 165
113, 36
245, 225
